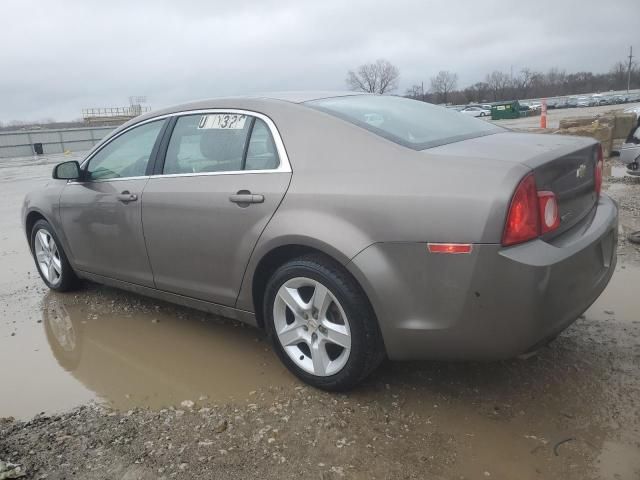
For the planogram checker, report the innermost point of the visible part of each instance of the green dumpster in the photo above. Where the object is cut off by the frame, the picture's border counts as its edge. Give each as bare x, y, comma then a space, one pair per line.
504, 110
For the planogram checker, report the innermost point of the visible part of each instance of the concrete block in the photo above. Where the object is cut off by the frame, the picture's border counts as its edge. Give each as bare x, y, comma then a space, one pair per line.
600, 131
623, 124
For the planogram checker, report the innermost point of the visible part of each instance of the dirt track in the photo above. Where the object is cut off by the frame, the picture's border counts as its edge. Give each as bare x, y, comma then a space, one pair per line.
572, 411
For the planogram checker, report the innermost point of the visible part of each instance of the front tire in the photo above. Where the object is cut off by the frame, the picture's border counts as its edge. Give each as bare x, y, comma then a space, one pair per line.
321, 323
51, 260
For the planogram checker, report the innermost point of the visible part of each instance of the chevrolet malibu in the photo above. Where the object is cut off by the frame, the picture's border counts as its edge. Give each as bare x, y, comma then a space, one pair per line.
351, 227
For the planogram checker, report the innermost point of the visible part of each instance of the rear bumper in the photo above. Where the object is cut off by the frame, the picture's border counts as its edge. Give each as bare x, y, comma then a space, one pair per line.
492, 303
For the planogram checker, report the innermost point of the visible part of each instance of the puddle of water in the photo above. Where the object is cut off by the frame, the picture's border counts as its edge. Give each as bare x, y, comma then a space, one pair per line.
616, 170
620, 299
619, 461
159, 356
126, 351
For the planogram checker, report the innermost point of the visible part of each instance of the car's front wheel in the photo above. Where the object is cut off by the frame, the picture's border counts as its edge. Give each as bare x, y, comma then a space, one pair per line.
321, 323
50, 258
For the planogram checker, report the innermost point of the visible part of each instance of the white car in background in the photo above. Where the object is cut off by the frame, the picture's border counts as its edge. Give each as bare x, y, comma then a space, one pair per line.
476, 111
583, 102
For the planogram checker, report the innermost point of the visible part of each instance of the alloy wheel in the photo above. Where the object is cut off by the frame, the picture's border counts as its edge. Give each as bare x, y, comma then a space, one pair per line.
312, 326
48, 256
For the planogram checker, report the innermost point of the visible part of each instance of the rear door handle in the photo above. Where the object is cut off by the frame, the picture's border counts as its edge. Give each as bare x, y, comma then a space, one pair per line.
127, 196
244, 197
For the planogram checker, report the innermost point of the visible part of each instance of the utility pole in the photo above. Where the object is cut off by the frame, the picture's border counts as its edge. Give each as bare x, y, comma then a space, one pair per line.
629, 68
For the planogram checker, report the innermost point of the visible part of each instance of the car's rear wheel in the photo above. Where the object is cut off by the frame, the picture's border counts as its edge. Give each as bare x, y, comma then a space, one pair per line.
50, 258
321, 323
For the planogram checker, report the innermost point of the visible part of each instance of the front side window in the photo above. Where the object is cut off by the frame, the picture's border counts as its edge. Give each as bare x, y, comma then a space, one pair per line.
414, 124
126, 156
219, 142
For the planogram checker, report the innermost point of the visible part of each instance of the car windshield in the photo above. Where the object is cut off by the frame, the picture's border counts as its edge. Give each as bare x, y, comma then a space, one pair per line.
414, 124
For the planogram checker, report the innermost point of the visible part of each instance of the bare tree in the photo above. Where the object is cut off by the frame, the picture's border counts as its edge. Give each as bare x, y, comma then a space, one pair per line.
523, 83
379, 77
619, 74
554, 82
414, 92
478, 92
444, 83
498, 83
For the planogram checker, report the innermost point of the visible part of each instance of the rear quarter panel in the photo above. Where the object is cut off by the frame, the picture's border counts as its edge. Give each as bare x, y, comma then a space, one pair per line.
351, 188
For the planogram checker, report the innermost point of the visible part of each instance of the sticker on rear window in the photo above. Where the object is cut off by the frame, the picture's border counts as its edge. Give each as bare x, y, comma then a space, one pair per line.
223, 121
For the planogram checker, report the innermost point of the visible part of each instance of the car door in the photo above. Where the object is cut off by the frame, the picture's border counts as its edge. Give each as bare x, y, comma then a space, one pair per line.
223, 176
101, 213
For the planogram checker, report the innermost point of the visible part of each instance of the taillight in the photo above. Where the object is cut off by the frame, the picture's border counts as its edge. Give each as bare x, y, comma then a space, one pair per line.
532, 213
598, 171
523, 219
549, 218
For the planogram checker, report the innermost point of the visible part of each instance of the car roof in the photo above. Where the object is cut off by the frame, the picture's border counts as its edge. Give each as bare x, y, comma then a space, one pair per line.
287, 96
262, 103
247, 101
307, 96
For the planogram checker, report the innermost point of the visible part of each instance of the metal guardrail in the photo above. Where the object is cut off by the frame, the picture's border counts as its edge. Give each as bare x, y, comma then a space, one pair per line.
132, 111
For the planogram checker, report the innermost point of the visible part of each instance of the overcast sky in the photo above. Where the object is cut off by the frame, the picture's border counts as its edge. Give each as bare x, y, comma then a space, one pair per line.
57, 57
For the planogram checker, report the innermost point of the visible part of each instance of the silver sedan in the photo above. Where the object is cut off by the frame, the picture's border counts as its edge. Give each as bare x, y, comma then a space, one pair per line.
351, 227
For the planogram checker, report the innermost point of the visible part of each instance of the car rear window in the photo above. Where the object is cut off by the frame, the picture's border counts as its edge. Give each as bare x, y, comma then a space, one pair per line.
414, 124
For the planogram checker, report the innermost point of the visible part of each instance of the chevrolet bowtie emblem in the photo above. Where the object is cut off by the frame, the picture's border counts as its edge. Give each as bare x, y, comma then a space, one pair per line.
582, 169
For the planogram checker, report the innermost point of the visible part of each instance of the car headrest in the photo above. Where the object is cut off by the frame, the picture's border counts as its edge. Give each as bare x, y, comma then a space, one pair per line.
222, 145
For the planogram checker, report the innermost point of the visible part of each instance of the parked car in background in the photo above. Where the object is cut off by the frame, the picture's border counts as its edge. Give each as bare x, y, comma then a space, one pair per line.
633, 109
350, 227
476, 111
572, 102
583, 102
561, 103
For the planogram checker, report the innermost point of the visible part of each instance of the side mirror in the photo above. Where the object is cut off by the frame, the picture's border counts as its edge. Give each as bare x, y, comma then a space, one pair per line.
67, 171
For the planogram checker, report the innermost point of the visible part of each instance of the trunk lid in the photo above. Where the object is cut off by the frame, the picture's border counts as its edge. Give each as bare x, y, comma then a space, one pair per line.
561, 164
572, 178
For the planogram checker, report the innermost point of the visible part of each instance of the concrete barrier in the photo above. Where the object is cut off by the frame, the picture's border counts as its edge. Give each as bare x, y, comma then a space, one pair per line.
21, 143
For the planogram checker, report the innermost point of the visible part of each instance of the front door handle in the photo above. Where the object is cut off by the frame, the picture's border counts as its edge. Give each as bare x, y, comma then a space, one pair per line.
127, 196
244, 198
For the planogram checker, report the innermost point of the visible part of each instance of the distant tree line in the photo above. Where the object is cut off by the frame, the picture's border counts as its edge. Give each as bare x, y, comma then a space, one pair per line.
382, 77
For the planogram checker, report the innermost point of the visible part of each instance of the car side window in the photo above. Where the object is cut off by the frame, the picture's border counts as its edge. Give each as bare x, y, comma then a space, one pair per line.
207, 143
261, 153
126, 156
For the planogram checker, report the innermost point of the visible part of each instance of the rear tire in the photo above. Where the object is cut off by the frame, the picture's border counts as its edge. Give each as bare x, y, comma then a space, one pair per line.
332, 341
51, 260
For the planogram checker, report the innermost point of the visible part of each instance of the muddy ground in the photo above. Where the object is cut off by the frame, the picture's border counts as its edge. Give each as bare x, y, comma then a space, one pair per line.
134, 388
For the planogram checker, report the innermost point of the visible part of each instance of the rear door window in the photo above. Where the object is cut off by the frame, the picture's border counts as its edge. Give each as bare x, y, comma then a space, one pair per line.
262, 153
220, 142
207, 143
